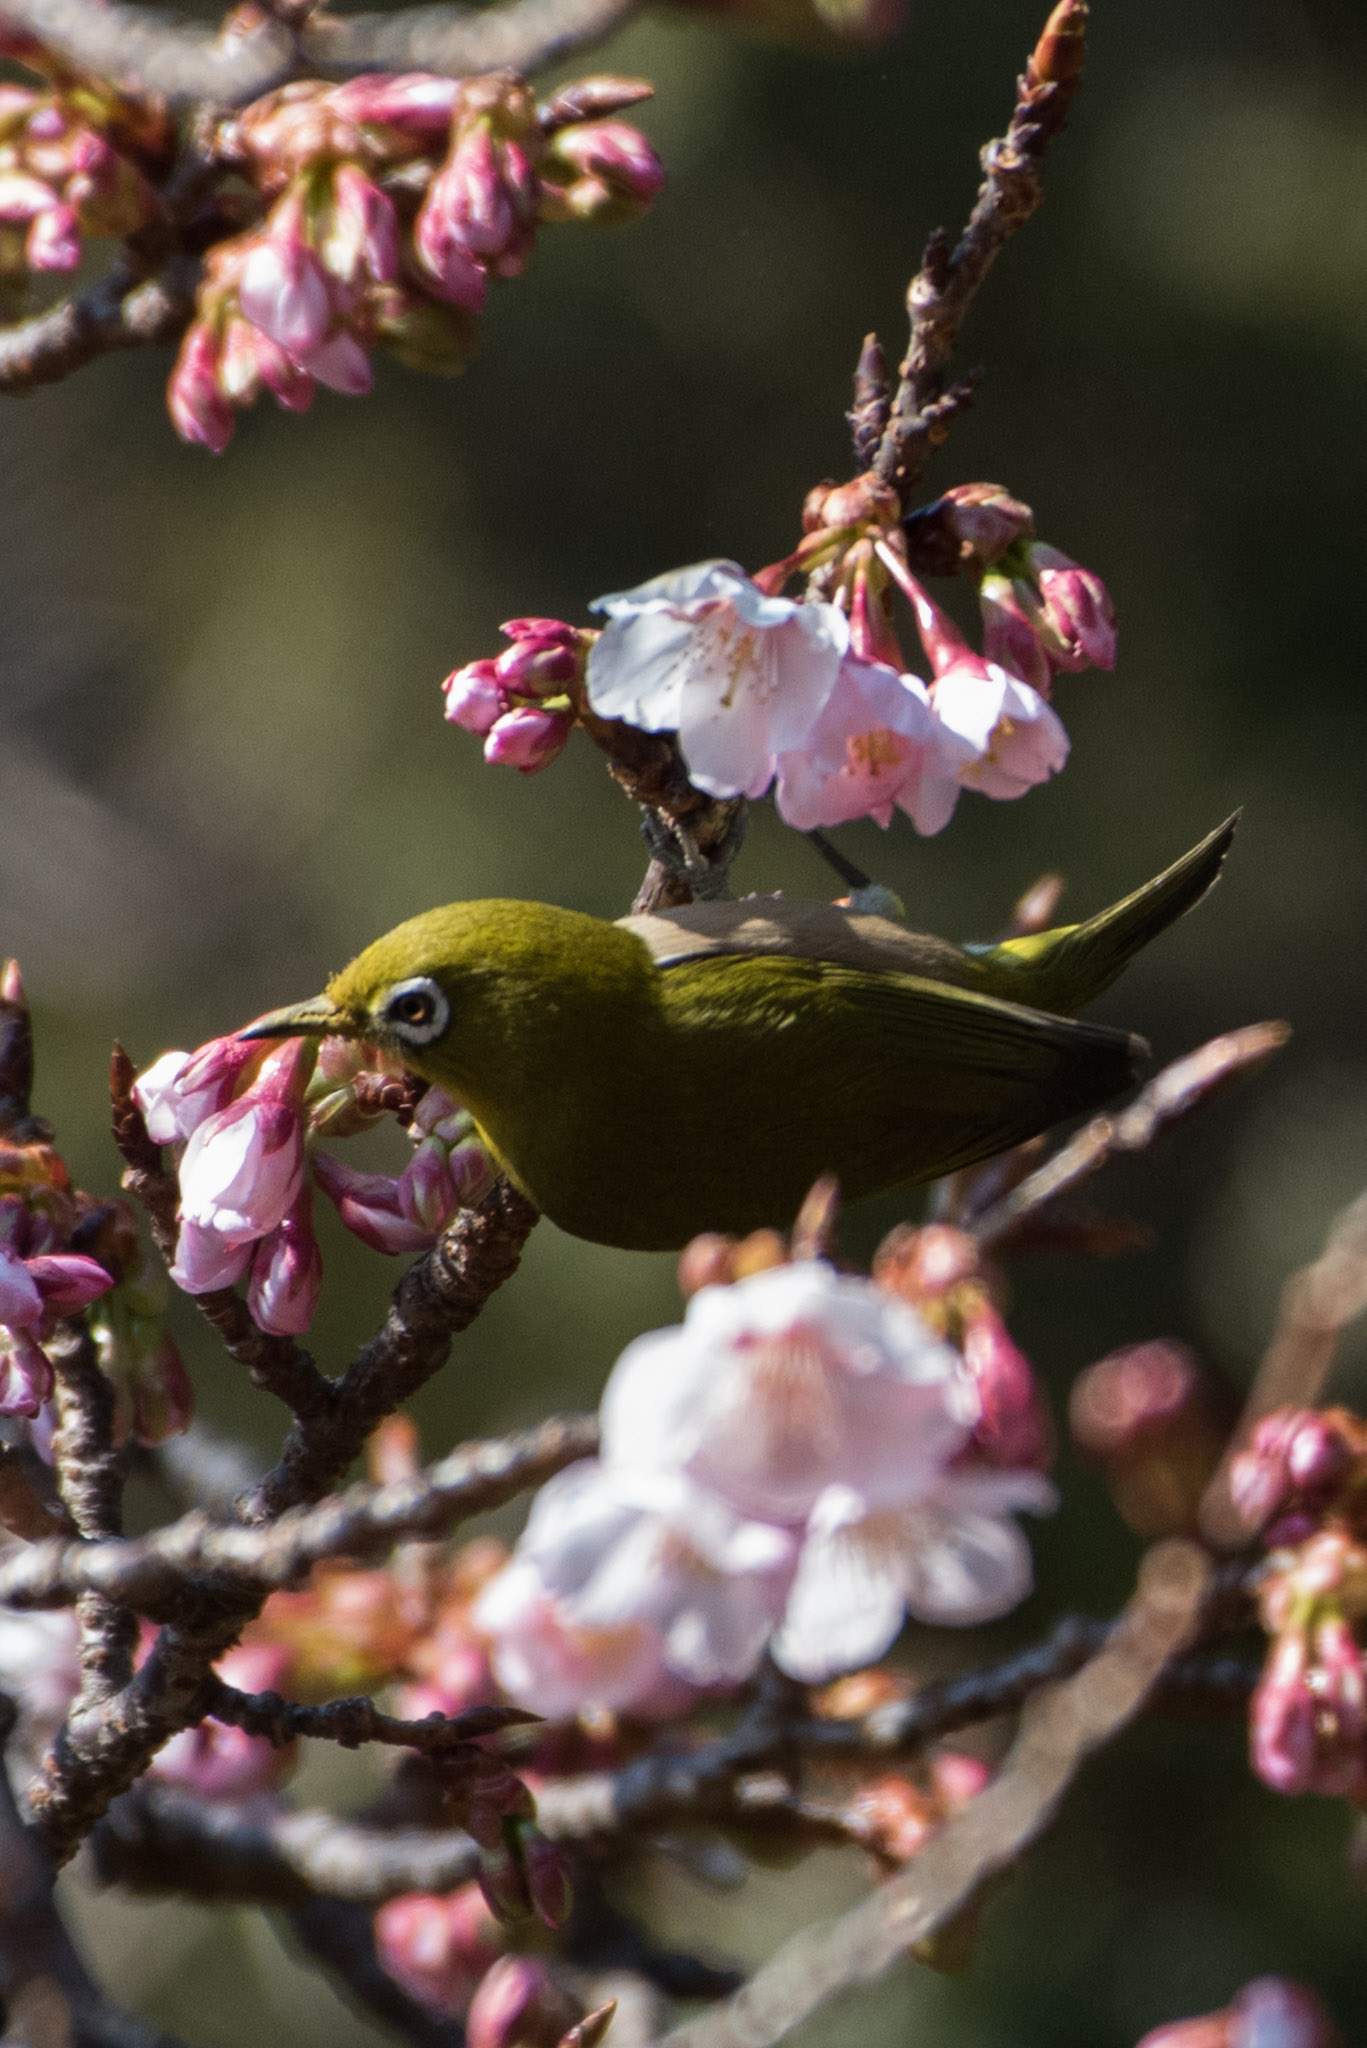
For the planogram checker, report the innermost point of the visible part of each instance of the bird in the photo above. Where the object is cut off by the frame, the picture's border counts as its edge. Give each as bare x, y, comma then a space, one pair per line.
697, 1069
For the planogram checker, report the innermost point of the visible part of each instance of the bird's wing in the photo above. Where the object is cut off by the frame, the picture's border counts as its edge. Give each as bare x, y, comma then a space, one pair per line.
902, 1077
804, 931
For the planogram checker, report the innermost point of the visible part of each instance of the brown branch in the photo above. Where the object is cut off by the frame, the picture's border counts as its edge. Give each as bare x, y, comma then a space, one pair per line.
163, 1573
437, 1298
1061, 1727
145, 51
351, 1722
1317, 1303
942, 291
122, 311
46, 1993
90, 1480
1171, 1095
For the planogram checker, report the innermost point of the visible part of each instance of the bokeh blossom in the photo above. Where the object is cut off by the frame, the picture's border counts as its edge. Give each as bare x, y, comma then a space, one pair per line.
785, 1465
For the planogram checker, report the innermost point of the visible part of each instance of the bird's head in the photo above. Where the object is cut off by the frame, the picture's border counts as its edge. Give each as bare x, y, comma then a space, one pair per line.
401, 993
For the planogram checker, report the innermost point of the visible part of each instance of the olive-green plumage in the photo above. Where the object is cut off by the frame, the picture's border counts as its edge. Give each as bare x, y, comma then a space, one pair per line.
698, 1069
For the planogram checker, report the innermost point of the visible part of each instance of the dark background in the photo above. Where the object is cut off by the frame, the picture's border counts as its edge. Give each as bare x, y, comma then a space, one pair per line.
223, 768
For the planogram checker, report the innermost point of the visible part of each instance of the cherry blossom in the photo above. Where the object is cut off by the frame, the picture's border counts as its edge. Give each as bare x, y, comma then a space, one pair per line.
866, 751
740, 676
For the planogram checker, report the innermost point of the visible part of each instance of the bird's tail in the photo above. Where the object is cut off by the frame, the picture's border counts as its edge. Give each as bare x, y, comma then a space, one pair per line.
1060, 970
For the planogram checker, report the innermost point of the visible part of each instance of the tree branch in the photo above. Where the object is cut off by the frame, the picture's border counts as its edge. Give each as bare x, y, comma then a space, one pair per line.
1061, 1727
122, 311
1171, 1095
939, 296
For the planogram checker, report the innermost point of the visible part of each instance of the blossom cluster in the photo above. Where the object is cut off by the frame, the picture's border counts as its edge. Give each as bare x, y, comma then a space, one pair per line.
390, 202
815, 699
1301, 1482
793, 1466
72, 152
242, 1117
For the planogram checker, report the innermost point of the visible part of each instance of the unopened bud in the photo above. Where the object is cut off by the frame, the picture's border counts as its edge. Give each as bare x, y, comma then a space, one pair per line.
519, 2004
548, 1878
986, 520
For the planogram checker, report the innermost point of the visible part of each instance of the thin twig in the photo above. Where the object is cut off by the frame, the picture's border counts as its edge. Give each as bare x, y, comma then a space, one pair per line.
153, 1573
942, 291
1317, 1303
1171, 1095
351, 1722
121, 311
1062, 1726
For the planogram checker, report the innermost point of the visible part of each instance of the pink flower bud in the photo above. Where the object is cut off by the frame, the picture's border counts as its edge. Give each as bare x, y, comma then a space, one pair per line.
527, 739
425, 1190
282, 289
21, 1303
1009, 638
1014, 1428
548, 1879
986, 520
204, 1261
438, 1948
1076, 608
25, 1374
369, 1204
243, 1166
519, 2005
601, 170
341, 363
68, 1281
1259, 1476
415, 102
474, 697
453, 272
504, 1885
287, 1272
199, 411
1318, 1460
1282, 1719
54, 240
179, 1090
533, 667
362, 236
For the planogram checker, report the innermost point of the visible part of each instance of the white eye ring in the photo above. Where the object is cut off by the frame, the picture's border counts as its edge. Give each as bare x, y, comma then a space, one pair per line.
416, 1010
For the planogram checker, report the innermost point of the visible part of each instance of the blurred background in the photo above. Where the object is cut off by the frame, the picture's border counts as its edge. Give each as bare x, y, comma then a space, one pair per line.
223, 768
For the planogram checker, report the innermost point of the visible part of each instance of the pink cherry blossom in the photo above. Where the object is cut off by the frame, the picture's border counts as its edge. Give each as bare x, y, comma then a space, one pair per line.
243, 1165
740, 676
866, 747
951, 1556
628, 1585
179, 1090
205, 1261
796, 1379
287, 1272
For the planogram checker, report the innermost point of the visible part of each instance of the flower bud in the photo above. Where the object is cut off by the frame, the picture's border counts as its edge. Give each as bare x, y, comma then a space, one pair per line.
1014, 1428
1075, 608
504, 1885
199, 411
544, 656
25, 1374
548, 1878
361, 235
527, 738
438, 1948
1144, 1414
599, 170
985, 520
282, 288
287, 1272
707, 1261
1009, 635
519, 2004
370, 1206
474, 697
54, 240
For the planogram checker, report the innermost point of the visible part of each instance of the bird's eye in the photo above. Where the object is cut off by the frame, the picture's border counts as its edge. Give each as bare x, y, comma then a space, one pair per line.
417, 1011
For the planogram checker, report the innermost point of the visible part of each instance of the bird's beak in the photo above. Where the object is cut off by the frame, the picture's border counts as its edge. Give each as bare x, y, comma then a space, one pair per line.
319, 1017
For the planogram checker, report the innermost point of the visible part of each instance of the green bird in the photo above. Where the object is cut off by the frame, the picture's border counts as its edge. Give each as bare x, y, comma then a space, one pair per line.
696, 1069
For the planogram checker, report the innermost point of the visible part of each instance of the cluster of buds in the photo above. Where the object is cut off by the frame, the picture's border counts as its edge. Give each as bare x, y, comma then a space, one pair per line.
1042, 612
519, 703
390, 203
1153, 1421
46, 1269
70, 152
815, 699
242, 1116
946, 1277
1301, 1482
1271, 2012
